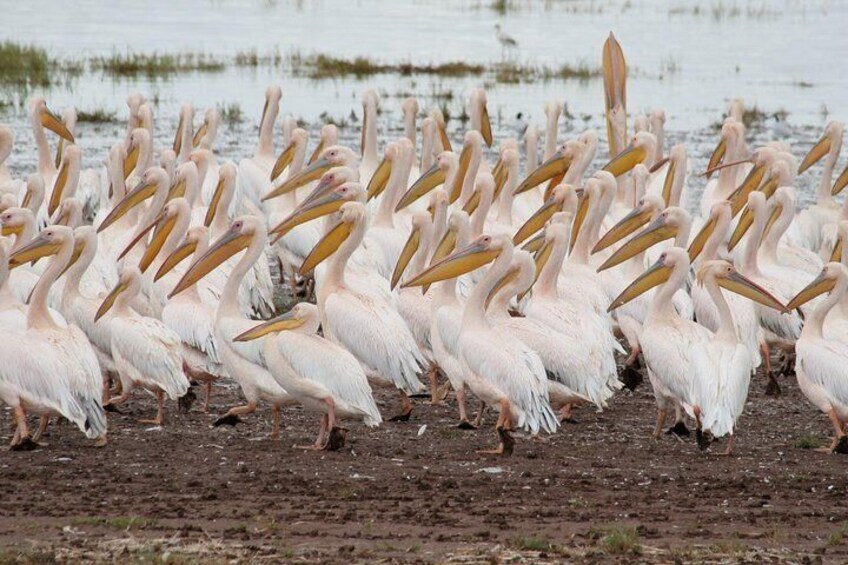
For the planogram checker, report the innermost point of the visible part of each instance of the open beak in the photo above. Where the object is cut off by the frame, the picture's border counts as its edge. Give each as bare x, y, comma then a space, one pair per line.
326, 246
433, 177
443, 135
656, 232
815, 154
669, 182
131, 161
109, 301
52, 122
819, 286
486, 126
508, 278
656, 275
198, 135
227, 245
737, 283
739, 198
139, 194
637, 218
716, 157
178, 139
457, 264
283, 161
33, 251
380, 179
701, 239
287, 321
214, 203
58, 188
557, 165
615, 83
307, 175
179, 255
323, 206
409, 249
317, 153
626, 160
537, 221
841, 181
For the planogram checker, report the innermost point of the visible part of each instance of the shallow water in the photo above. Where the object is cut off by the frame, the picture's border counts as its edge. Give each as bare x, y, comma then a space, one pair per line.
686, 57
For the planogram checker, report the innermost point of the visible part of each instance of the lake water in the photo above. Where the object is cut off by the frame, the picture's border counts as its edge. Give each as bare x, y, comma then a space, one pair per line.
687, 57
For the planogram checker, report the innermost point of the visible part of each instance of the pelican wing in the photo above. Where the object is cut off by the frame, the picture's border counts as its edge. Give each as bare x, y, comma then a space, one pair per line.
824, 363
721, 373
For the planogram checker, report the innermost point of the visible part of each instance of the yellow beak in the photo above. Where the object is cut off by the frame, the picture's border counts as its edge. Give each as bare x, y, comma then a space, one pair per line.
307, 175
701, 239
283, 161
741, 285
139, 194
281, 323
198, 135
841, 182
178, 138
177, 190
457, 264
324, 206
131, 161
508, 278
739, 198
626, 160
326, 246
159, 237
315, 154
615, 83
656, 232
380, 179
669, 182
637, 218
486, 127
109, 301
175, 258
214, 203
472, 203
819, 286
227, 245
535, 243
79, 247
52, 122
58, 188
815, 154
33, 251
557, 165
464, 163
443, 135
656, 275
409, 249
537, 221
716, 157
836, 254
433, 177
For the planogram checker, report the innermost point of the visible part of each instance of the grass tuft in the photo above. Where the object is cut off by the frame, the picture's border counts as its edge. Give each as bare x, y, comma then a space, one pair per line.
23, 64
621, 541
231, 113
156, 65
97, 116
530, 543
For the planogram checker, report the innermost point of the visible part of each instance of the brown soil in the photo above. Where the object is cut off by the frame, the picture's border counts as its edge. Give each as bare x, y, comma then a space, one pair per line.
598, 491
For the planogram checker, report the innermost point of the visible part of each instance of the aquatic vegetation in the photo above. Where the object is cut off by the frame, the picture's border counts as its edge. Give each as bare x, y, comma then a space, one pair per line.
96, 116
621, 541
155, 64
23, 65
231, 113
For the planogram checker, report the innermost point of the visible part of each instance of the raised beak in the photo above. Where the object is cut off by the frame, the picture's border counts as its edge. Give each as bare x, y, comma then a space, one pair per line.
626, 160
178, 138
657, 274
323, 206
537, 221
819, 286
227, 245
326, 246
557, 165
841, 182
175, 258
307, 175
579, 219
743, 286
52, 122
139, 194
283, 161
486, 126
33, 251
656, 232
109, 301
457, 264
669, 181
60, 150
214, 203
701, 239
317, 153
287, 321
615, 83
198, 135
510, 276
637, 218
409, 249
740, 197
716, 157
380, 179
433, 177
58, 188
443, 135
815, 154
131, 161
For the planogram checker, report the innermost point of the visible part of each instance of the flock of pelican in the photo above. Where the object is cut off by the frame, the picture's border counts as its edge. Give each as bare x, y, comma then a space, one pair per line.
461, 269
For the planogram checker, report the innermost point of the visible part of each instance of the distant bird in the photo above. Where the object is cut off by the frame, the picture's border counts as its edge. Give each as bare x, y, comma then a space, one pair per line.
506, 41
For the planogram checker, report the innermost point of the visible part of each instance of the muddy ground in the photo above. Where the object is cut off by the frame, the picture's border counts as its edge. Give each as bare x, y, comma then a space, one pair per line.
598, 491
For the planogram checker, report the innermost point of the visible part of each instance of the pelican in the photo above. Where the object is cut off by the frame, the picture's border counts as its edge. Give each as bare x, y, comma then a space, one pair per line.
253, 172
243, 361
204, 137
498, 368
479, 113
73, 385
368, 145
8, 185
722, 188
319, 374
409, 107
821, 362
365, 325
41, 117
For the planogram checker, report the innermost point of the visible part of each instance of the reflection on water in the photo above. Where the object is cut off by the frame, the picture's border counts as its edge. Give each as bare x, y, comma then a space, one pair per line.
686, 57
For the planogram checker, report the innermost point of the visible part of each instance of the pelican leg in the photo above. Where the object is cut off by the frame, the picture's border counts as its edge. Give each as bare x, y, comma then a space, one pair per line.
208, 387
338, 435
729, 449
679, 428
840, 441
160, 410
506, 443
437, 393
702, 440
464, 424
319, 442
479, 419
277, 414
120, 399
405, 410
24, 442
231, 418
661, 415
772, 387
42, 427
565, 414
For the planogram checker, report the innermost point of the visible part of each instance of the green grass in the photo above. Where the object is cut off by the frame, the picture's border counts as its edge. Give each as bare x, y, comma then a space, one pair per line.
97, 116
838, 537
530, 543
23, 65
621, 541
231, 113
155, 65
808, 443
116, 523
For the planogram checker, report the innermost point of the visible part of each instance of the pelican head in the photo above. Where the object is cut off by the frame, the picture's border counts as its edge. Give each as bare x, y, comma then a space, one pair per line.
34, 195
640, 149
330, 202
139, 138
208, 130
48, 242
226, 186
439, 118
670, 260
303, 317
69, 213
446, 163
15, 220
829, 145
297, 143
380, 179
196, 238
40, 112
669, 223
571, 151
481, 251
720, 216
162, 227
479, 113
484, 191
422, 227
649, 206
129, 285
563, 197
831, 275
153, 179
351, 215
68, 176
333, 156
